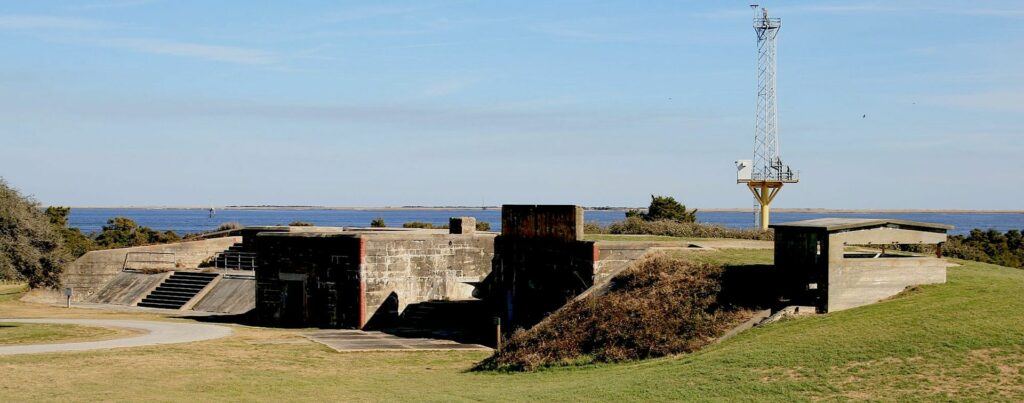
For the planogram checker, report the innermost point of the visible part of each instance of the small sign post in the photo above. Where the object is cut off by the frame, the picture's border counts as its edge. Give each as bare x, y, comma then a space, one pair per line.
497, 331
67, 293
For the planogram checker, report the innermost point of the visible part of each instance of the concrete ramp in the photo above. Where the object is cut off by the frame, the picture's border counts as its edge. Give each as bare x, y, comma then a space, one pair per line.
232, 295
127, 288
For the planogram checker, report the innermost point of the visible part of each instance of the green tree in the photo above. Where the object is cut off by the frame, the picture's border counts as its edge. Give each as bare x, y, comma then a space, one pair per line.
378, 223
665, 208
31, 248
123, 232
75, 242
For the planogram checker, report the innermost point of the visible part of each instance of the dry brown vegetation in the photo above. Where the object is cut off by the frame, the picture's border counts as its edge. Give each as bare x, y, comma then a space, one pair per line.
660, 306
639, 226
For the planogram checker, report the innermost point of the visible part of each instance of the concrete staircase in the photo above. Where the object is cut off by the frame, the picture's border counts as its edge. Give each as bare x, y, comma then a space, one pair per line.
177, 290
236, 257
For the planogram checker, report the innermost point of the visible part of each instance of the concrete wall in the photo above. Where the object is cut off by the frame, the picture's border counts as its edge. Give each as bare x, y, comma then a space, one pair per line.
356, 279
614, 257
309, 279
857, 283
406, 268
91, 272
534, 277
815, 270
540, 263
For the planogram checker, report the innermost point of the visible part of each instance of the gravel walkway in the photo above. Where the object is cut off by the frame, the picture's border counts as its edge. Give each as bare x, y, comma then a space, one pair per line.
154, 333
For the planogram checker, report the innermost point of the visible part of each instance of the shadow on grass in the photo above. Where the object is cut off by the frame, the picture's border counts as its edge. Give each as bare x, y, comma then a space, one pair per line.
248, 318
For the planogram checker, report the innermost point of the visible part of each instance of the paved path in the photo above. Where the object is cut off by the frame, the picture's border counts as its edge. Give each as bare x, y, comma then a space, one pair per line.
360, 340
154, 333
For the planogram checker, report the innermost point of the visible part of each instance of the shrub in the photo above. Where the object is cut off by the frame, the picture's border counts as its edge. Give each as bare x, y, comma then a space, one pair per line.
31, 246
594, 228
123, 232
992, 246
419, 224
229, 226
657, 307
300, 224
483, 226
664, 208
378, 223
639, 226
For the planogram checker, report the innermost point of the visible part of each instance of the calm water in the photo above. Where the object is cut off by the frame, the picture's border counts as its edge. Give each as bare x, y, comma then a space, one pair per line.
196, 220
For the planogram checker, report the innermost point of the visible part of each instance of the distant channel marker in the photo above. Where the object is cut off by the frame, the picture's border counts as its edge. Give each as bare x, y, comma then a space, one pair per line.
155, 333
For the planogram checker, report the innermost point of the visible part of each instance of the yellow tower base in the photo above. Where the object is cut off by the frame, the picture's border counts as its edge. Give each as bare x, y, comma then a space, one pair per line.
764, 192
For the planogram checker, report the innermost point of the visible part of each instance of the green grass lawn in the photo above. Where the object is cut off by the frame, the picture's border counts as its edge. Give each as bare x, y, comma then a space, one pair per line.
10, 291
960, 340
36, 333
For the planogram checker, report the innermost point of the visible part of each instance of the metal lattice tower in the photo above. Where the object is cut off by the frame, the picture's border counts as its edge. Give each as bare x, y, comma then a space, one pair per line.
766, 173
766, 118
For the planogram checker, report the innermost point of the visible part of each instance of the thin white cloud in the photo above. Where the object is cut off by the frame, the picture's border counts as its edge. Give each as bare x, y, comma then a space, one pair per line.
218, 53
46, 22
447, 87
362, 13
999, 101
112, 4
872, 8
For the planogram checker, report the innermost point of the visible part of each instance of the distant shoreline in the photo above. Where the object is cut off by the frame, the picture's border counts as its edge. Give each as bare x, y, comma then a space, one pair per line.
498, 208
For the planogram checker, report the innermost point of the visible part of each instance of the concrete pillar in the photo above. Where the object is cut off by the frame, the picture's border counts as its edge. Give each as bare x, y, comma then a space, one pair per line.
462, 225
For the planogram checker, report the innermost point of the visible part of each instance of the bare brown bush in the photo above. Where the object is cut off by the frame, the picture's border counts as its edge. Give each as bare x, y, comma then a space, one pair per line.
639, 226
660, 306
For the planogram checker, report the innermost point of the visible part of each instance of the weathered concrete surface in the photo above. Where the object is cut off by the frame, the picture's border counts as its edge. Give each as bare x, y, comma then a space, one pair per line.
155, 333
229, 295
127, 288
812, 259
90, 273
462, 225
343, 340
857, 282
402, 269
358, 278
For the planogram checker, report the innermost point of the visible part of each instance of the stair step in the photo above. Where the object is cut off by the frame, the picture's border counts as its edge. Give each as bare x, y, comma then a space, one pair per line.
188, 281
167, 298
191, 276
171, 293
177, 290
159, 305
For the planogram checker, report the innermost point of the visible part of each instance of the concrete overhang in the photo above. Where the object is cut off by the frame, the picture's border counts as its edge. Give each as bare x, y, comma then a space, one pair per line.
851, 224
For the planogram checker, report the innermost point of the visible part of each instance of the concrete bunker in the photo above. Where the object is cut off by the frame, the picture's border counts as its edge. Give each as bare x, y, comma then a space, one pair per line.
357, 278
823, 262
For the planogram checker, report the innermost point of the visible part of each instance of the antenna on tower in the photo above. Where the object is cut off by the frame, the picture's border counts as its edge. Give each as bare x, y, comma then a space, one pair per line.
766, 173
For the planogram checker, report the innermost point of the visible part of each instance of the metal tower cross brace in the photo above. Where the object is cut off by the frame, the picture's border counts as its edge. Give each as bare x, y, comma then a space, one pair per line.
766, 173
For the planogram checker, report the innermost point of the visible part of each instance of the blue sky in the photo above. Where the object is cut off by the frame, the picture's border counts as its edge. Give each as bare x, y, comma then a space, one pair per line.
916, 104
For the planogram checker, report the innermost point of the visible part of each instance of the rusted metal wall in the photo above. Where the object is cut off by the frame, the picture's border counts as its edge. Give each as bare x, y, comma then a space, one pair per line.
551, 222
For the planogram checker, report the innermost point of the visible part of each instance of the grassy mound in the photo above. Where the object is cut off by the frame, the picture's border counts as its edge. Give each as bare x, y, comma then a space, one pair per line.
660, 306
